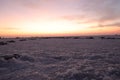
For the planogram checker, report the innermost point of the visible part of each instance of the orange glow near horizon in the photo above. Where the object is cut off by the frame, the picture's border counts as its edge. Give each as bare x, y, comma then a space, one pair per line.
55, 28
46, 28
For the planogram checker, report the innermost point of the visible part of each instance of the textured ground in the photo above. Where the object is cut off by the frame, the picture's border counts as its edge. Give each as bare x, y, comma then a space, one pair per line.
60, 59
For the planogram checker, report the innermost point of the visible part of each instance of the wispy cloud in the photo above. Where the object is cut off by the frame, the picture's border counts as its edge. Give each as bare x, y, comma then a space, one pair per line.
116, 24
30, 3
8, 28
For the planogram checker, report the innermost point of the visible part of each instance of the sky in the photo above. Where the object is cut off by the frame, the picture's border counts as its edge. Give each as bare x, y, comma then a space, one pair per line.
59, 17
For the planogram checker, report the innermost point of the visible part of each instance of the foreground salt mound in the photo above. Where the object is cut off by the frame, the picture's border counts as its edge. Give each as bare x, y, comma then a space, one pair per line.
8, 57
13, 62
3, 43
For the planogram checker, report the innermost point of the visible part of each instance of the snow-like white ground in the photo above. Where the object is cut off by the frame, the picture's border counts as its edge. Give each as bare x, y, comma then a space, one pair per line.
60, 59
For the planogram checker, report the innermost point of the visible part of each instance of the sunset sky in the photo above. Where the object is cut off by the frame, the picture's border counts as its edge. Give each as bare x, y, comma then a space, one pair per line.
59, 17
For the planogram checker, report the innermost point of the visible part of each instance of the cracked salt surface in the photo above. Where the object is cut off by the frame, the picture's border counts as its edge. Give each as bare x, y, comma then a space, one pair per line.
60, 59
